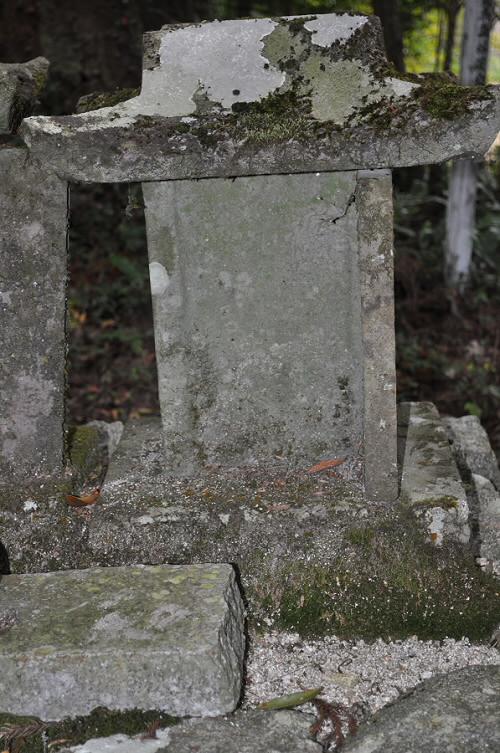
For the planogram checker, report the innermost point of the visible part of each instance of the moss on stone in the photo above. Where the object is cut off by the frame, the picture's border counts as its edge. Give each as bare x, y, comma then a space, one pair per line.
450, 101
101, 722
386, 582
96, 100
437, 94
446, 501
83, 440
280, 116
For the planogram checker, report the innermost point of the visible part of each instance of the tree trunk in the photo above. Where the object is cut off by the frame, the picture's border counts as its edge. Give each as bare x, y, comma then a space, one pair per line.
461, 209
452, 12
389, 13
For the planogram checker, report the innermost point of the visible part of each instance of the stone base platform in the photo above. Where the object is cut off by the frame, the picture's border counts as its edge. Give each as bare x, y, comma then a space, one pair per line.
313, 555
168, 638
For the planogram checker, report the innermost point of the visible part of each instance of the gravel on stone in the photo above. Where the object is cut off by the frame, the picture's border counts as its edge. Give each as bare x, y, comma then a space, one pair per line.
352, 673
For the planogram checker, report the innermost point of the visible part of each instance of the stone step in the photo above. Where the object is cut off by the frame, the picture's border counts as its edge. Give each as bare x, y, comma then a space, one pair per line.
161, 637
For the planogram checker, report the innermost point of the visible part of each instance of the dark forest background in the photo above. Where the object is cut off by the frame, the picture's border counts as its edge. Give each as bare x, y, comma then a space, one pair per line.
448, 342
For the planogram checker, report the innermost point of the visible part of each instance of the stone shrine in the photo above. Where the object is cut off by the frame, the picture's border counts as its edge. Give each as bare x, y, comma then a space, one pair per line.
264, 149
272, 276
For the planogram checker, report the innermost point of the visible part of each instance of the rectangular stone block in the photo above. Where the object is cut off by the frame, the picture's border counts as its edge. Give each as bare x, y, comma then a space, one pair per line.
166, 637
34, 210
430, 482
272, 300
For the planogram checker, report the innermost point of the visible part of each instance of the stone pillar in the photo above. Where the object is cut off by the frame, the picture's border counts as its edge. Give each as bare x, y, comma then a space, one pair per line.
376, 269
33, 208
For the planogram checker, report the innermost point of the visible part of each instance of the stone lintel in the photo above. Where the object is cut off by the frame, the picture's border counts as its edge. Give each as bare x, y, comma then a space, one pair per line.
34, 208
265, 96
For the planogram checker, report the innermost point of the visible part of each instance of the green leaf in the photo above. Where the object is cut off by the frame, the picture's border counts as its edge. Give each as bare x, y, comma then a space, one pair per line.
473, 409
291, 700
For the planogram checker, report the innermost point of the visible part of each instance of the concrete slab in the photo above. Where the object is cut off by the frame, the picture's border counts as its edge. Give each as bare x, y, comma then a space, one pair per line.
430, 482
167, 637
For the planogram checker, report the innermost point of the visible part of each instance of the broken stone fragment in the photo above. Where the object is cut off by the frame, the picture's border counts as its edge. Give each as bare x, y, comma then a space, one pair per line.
20, 85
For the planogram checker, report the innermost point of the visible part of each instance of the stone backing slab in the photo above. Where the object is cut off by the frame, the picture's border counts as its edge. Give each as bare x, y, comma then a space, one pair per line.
430, 482
257, 318
166, 637
34, 208
272, 299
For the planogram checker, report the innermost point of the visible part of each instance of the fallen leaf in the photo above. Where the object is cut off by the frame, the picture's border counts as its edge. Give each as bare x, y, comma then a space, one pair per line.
87, 499
291, 700
325, 464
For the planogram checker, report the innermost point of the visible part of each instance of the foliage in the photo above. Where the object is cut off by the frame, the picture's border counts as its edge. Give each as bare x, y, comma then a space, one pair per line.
448, 348
111, 356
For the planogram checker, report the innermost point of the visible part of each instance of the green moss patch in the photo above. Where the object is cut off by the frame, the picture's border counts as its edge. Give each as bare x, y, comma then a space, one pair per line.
446, 100
388, 582
100, 722
436, 94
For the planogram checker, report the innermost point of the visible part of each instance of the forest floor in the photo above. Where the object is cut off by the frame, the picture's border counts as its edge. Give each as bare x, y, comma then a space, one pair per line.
448, 347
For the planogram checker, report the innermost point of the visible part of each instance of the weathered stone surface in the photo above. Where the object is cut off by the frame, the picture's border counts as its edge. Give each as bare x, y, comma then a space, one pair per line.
471, 448
272, 300
263, 96
20, 84
242, 732
430, 482
167, 638
488, 523
458, 712
313, 557
375, 238
246, 732
33, 205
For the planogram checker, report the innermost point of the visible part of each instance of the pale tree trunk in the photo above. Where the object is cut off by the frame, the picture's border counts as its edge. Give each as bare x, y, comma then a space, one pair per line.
461, 209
